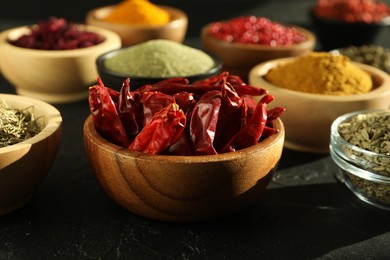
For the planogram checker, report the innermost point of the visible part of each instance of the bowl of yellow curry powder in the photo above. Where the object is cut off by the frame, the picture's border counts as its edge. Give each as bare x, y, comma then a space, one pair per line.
317, 88
138, 21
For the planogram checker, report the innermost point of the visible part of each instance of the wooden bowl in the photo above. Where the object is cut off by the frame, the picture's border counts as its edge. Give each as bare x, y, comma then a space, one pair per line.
239, 59
53, 76
175, 30
182, 188
308, 117
24, 165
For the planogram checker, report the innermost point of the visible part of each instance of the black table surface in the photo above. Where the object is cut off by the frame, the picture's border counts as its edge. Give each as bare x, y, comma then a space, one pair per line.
304, 214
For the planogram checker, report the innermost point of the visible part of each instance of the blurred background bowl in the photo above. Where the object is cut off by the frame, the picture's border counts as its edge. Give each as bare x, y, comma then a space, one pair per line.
308, 117
239, 59
115, 80
24, 165
333, 34
364, 172
183, 188
54, 76
175, 30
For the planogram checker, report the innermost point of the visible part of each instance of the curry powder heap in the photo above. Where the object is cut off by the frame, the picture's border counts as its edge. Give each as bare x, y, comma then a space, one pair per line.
139, 12
321, 73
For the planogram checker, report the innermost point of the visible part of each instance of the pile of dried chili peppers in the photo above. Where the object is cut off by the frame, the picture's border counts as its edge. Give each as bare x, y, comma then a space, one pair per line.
175, 117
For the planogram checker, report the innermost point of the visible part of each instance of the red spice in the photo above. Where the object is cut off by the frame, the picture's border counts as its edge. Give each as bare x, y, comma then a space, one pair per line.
364, 11
57, 34
256, 30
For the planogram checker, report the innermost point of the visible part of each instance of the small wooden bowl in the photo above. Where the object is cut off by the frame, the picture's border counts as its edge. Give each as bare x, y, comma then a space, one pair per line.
308, 117
54, 76
239, 59
24, 165
175, 30
182, 188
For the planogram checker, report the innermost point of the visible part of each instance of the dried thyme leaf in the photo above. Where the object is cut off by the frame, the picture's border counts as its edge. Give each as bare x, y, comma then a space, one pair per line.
16, 125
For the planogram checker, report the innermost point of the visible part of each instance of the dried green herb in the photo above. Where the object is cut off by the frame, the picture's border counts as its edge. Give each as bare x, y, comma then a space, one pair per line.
16, 125
370, 132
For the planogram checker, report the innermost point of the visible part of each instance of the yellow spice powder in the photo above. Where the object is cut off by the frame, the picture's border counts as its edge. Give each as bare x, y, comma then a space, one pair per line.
321, 73
140, 12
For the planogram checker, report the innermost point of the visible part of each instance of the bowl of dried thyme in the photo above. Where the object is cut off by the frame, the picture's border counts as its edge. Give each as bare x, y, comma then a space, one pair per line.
30, 132
360, 147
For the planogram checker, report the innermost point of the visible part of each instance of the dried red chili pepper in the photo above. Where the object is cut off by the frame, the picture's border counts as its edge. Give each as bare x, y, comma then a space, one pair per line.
163, 129
185, 100
231, 115
129, 110
181, 146
251, 132
203, 123
105, 116
274, 113
153, 102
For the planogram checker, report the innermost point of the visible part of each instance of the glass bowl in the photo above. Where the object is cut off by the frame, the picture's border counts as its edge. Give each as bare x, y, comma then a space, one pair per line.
364, 172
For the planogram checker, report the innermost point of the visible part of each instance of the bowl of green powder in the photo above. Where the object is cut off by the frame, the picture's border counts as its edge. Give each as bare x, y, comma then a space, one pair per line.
154, 61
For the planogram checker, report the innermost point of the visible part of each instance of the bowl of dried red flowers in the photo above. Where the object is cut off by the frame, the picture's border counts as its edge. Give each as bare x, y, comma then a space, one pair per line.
54, 60
340, 24
30, 132
181, 152
243, 42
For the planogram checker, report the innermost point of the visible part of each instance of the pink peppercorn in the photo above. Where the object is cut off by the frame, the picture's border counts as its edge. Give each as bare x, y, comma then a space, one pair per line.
364, 11
256, 30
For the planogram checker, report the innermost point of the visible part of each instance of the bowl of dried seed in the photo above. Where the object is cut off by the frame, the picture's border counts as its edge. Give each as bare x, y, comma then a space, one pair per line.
360, 148
30, 132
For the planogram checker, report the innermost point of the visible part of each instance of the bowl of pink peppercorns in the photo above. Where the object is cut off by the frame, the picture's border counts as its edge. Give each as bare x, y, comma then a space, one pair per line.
246, 41
54, 59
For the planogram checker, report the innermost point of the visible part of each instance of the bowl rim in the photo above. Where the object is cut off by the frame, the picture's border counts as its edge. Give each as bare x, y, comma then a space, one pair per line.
110, 38
257, 75
336, 137
308, 43
181, 17
91, 133
52, 114
102, 57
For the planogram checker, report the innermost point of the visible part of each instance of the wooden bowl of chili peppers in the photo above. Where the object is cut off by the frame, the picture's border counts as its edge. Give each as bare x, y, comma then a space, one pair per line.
340, 24
244, 42
181, 152
30, 132
54, 60
174, 30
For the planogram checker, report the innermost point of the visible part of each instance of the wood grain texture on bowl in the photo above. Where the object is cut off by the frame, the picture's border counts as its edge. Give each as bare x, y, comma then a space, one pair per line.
182, 188
239, 59
175, 30
308, 117
23, 166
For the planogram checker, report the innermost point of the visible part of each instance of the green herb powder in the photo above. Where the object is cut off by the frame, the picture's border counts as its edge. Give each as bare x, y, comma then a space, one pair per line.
160, 59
